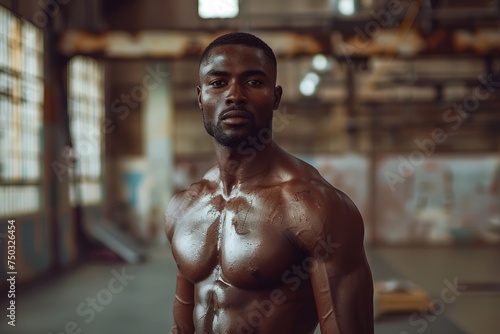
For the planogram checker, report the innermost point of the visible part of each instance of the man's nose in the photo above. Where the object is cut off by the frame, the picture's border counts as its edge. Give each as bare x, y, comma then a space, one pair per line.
236, 95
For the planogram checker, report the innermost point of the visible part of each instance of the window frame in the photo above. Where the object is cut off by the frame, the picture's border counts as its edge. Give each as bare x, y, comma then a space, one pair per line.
86, 113
21, 108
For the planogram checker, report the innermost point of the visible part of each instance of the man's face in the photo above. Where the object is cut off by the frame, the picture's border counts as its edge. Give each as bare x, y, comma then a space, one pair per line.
237, 93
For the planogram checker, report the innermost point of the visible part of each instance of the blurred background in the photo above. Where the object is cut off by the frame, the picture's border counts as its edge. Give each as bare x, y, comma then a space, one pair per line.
395, 102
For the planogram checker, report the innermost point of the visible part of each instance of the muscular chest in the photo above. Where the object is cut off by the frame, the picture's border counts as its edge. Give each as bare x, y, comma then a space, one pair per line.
246, 241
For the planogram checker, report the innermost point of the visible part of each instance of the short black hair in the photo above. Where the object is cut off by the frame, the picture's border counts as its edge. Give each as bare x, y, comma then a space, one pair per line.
240, 38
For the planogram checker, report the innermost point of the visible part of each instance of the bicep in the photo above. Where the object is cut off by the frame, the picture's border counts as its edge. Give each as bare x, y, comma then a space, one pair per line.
341, 279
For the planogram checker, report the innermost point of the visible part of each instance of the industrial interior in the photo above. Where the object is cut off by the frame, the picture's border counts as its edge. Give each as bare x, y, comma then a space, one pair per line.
395, 102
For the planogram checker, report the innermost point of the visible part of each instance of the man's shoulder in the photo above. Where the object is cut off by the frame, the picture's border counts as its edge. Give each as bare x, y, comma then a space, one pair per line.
313, 195
305, 184
322, 206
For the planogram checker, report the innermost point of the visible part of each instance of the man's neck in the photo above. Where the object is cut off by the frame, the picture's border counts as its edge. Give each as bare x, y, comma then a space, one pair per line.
243, 165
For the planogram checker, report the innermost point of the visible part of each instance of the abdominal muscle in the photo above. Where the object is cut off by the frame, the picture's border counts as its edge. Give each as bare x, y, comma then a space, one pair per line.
223, 308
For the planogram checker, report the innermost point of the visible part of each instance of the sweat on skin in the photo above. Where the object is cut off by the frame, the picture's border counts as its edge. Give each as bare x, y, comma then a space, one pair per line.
247, 235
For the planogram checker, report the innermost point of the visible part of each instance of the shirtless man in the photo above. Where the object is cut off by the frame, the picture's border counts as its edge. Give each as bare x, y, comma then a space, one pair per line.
263, 243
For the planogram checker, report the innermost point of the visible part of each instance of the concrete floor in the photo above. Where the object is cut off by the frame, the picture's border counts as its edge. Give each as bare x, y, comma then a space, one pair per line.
140, 303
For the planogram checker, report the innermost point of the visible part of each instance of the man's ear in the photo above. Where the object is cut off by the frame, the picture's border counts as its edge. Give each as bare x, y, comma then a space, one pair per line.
278, 92
198, 91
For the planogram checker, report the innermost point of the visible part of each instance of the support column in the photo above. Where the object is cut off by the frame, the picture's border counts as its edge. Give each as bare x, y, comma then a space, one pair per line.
158, 133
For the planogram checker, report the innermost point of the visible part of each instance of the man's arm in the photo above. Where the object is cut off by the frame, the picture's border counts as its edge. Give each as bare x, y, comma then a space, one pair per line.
344, 301
183, 306
341, 278
184, 289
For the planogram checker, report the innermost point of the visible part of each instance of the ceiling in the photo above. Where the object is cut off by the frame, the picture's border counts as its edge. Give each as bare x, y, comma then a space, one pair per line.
398, 68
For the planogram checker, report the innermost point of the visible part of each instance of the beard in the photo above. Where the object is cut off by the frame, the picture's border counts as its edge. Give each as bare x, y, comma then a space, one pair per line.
225, 139
230, 140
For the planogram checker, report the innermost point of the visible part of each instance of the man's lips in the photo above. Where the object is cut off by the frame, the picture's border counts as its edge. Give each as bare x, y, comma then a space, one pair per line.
236, 117
235, 114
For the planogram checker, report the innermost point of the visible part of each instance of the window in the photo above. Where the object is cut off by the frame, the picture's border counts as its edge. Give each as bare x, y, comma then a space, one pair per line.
218, 9
346, 7
21, 107
86, 115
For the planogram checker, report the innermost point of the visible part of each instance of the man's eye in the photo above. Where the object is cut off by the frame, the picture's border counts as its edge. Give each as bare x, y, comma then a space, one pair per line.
217, 83
255, 82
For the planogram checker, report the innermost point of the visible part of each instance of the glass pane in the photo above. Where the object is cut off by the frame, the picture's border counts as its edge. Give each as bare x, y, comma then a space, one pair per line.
86, 112
21, 107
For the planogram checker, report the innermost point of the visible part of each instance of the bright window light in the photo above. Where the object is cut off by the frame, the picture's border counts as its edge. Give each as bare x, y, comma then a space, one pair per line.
86, 115
218, 9
346, 7
21, 116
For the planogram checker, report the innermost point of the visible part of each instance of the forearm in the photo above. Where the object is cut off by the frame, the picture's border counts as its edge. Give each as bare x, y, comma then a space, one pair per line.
176, 330
345, 304
183, 318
